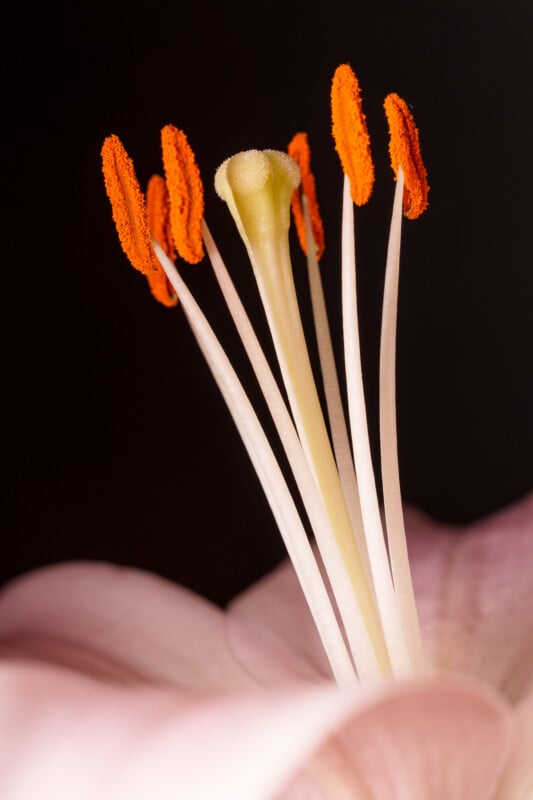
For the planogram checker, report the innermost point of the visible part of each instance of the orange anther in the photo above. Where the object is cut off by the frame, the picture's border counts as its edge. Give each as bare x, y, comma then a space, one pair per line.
186, 194
161, 288
299, 150
158, 210
127, 203
350, 132
404, 149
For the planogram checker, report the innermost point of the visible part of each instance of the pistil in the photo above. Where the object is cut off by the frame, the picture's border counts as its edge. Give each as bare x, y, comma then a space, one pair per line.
258, 189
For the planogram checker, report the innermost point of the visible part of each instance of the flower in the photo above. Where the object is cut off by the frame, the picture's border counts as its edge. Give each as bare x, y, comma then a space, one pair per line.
326, 679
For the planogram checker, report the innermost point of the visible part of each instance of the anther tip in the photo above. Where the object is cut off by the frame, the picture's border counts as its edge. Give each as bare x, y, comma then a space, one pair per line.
404, 149
350, 133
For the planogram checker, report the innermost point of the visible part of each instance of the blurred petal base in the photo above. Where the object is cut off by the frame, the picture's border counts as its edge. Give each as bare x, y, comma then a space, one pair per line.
117, 684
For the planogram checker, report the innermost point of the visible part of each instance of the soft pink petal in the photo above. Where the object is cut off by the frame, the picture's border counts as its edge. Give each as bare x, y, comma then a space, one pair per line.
474, 590
130, 624
517, 782
65, 736
424, 741
276, 606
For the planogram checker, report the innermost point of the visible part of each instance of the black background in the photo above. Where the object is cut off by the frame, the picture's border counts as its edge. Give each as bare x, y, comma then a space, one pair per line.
116, 443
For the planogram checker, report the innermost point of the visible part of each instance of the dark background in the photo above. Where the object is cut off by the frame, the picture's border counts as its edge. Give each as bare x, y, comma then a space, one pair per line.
116, 443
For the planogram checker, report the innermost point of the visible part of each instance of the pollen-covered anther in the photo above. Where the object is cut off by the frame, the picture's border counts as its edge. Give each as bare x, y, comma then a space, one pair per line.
350, 133
299, 150
158, 212
186, 194
128, 206
404, 149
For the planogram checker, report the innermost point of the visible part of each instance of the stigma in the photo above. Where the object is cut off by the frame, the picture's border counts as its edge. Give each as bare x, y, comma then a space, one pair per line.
350, 558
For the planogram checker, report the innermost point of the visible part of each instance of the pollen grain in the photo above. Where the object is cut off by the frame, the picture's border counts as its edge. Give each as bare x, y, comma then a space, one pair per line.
404, 149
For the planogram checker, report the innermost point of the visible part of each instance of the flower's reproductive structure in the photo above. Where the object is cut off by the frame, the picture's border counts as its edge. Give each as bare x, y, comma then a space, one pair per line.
364, 609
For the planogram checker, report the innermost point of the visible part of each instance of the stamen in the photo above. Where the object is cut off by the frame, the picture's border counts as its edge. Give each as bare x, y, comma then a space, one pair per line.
411, 185
404, 149
158, 211
271, 478
397, 646
350, 133
390, 472
128, 206
186, 194
299, 150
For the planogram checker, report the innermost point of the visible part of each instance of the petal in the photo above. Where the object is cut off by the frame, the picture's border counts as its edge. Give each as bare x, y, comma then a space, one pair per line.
432, 740
517, 782
124, 623
276, 606
475, 595
66, 736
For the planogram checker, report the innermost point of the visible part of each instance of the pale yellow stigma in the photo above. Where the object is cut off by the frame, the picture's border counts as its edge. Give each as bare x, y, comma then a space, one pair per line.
258, 185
